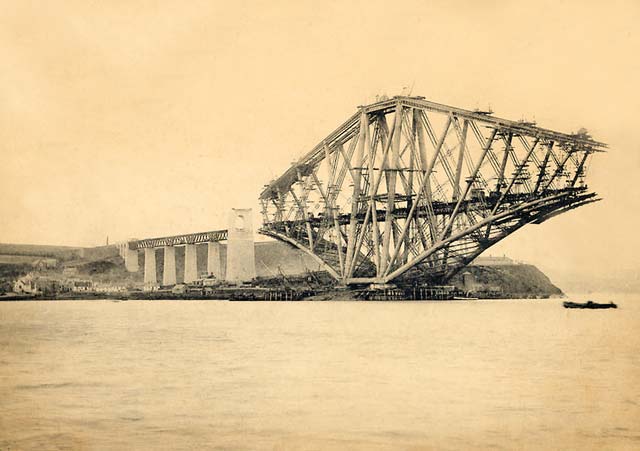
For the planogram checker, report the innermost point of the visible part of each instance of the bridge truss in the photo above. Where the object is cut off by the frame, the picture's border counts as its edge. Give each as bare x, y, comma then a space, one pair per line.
178, 240
407, 187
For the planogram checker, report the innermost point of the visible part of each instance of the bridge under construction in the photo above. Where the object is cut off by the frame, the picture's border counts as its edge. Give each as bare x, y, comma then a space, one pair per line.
405, 192
407, 188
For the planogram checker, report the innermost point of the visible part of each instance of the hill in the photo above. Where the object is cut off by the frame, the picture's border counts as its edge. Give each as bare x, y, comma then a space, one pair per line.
500, 276
512, 280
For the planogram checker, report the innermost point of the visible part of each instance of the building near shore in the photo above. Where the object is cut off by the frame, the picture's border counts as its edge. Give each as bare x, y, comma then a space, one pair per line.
80, 285
108, 288
25, 285
32, 284
493, 260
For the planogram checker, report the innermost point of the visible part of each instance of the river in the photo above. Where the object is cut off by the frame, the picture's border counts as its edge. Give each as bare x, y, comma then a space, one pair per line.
521, 374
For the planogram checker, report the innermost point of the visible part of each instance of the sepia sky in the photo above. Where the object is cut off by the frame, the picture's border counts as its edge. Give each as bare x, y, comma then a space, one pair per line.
148, 118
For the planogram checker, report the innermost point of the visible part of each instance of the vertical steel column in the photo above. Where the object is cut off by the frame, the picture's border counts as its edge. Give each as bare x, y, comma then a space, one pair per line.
355, 198
543, 167
422, 146
503, 165
463, 143
392, 173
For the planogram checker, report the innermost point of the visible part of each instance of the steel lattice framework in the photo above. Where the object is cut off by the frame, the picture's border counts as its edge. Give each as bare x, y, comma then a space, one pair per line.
176, 240
407, 187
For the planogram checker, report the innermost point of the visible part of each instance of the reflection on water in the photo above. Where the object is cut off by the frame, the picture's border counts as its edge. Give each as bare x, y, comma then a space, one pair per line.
325, 375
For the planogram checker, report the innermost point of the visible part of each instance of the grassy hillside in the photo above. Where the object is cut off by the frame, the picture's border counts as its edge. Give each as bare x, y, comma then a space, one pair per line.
58, 252
519, 280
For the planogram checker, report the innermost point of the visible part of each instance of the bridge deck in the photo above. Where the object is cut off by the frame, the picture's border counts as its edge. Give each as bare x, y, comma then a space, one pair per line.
176, 240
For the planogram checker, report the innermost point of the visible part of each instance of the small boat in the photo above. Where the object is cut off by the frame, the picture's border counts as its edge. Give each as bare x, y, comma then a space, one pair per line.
588, 304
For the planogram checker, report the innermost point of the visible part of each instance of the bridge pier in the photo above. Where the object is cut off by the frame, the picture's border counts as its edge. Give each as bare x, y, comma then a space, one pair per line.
241, 260
169, 271
150, 278
130, 258
190, 263
213, 259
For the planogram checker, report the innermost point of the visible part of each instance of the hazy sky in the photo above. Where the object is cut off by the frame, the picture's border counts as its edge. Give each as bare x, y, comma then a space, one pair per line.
148, 118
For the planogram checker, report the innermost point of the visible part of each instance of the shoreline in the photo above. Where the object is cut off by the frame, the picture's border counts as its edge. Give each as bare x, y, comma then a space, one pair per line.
243, 296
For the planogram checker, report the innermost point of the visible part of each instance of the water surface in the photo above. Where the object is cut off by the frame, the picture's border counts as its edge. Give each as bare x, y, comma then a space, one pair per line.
324, 375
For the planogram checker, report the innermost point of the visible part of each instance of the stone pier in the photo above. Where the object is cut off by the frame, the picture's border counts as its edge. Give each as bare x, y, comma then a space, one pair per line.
213, 260
130, 258
241, 260
150, 266
240, 253
190, 263
169, 272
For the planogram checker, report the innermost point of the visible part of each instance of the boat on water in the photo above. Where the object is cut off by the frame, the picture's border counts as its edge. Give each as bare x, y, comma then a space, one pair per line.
588, 304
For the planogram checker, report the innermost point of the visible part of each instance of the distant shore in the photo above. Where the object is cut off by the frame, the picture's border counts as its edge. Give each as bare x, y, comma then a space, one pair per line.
243, 294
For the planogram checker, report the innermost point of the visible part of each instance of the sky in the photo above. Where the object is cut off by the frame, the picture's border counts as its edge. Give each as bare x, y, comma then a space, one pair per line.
150, 118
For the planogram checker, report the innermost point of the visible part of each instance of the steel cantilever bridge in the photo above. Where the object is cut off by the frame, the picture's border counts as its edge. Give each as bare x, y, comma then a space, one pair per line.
410, 188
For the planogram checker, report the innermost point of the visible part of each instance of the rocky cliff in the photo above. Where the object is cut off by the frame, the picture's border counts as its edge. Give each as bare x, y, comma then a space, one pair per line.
513, 281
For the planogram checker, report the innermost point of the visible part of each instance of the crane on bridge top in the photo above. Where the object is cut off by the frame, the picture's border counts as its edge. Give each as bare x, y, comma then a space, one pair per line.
410, 188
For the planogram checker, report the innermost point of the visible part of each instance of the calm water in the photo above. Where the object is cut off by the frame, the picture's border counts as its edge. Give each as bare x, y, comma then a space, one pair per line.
332, 375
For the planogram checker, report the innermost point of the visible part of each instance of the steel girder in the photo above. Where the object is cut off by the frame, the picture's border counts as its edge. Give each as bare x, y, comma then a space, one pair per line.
408, 185
192, 238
